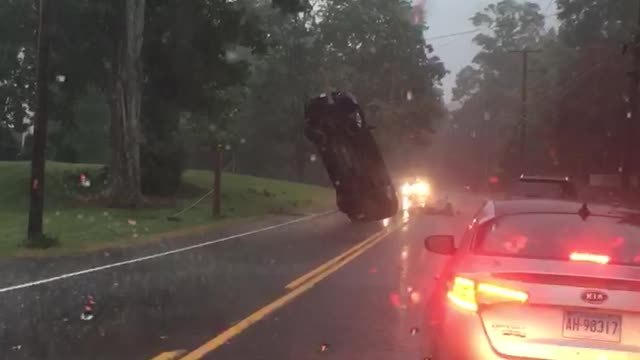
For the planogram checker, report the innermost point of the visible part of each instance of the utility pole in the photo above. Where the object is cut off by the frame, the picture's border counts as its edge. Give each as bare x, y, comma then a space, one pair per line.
632, 114
36, 187
487, 141
523, 120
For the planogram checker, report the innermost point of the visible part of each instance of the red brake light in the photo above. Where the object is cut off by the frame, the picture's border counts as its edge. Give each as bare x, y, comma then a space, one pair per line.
466, 294
587, 257
502, 293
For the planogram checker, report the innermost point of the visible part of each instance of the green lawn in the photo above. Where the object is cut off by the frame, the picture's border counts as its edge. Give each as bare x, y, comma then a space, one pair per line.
82, 225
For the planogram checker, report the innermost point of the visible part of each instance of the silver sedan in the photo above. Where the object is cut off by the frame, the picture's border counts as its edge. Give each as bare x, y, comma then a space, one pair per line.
538, 279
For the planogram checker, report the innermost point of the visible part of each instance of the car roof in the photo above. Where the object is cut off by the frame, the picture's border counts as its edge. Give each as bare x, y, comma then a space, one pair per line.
497, 208
525, 178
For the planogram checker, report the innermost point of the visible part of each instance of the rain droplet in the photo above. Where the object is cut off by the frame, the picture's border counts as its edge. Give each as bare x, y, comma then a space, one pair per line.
415, 297
57, 213
16, 348
132, 222
232, 56
106, 213
414, 330
80, 216
146, 229
409, 289
324, 347
373, 270
87, 314
409, 95
134, 235
46, 220
163, 337
92, 219
394, 299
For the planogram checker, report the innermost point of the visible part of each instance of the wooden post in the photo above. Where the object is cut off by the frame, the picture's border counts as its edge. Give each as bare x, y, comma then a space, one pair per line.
217, 171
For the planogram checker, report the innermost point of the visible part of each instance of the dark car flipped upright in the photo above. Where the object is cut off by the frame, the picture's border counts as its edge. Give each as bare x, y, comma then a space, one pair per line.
336, 125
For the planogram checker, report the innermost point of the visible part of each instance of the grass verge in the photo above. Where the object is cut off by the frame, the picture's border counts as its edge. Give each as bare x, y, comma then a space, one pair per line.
80, 224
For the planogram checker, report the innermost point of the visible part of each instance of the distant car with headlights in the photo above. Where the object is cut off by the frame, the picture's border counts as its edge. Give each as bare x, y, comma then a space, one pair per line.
538, 279
415, 192
418, 195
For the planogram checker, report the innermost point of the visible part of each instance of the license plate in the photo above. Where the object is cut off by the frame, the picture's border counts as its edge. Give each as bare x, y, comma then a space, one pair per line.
593, 326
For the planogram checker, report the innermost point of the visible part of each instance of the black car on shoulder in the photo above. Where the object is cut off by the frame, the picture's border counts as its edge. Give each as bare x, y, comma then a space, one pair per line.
336, 125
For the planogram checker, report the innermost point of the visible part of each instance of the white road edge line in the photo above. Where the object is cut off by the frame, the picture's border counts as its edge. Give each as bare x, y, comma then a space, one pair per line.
162, 254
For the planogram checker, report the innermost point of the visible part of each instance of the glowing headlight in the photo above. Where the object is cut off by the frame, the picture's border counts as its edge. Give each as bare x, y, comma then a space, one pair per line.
422, 189
406, 189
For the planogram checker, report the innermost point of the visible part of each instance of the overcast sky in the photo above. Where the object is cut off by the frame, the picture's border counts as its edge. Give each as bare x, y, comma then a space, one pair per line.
452, 16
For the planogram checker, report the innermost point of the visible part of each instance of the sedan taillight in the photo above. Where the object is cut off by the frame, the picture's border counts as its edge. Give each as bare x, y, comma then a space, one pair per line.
467, 294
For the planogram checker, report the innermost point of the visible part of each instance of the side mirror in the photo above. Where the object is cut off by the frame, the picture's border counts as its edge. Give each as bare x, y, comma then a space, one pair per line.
441, 244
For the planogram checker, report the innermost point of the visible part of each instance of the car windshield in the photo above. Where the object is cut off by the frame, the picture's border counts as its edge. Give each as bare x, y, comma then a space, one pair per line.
255, 179
558, 236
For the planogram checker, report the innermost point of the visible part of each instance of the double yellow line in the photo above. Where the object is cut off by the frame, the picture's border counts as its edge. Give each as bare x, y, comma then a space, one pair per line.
296, 288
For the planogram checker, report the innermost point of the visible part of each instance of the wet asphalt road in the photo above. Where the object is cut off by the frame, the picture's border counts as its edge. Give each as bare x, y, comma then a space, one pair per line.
371, 308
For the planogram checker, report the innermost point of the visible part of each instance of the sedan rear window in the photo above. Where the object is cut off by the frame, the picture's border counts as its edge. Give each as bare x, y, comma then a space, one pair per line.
562, 236
543, 189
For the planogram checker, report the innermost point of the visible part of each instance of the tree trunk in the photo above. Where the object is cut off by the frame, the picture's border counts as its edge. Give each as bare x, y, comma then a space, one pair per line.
125, 103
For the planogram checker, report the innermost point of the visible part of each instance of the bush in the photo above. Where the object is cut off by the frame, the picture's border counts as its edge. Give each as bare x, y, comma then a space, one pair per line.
161, 166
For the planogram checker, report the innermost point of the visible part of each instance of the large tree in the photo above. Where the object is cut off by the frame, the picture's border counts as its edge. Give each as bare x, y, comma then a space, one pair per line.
491, 85
125, 79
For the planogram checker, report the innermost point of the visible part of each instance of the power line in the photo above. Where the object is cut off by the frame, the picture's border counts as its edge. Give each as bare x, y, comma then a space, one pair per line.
471, 31
446, 36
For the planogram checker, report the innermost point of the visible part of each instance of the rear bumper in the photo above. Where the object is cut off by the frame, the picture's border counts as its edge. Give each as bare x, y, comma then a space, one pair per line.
461, 335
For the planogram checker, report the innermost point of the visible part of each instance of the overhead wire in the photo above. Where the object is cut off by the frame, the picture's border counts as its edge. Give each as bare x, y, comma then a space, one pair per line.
470, 31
